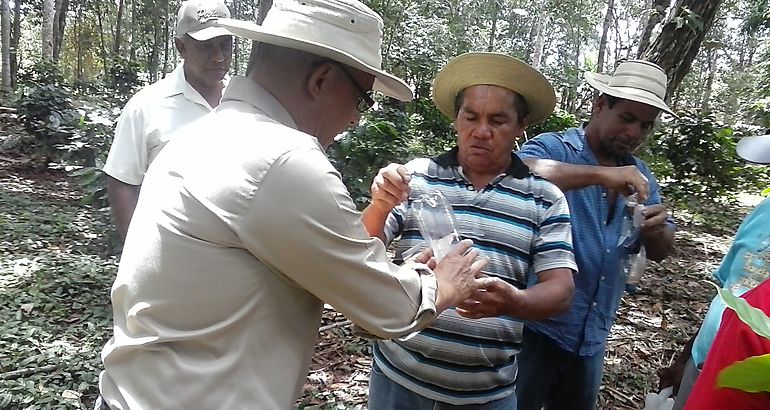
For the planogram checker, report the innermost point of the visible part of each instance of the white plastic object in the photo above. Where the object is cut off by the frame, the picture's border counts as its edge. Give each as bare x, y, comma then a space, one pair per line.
636, 264
437, 222
659, 401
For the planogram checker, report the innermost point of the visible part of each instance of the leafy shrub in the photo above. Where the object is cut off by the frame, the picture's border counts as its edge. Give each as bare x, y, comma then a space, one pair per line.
123, 77
47, 112
695, 159
558, 120
378, 140
40, 72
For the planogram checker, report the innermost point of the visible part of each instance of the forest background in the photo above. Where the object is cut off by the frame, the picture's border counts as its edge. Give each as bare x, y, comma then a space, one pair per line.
69, 66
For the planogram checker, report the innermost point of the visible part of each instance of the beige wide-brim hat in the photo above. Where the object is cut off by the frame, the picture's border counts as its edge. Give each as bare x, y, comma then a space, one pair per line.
755, 149
635, 80
470, 69
343, 30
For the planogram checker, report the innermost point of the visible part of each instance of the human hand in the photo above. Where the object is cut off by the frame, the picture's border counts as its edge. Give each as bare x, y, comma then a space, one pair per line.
425, 256
494, 297
655, 220
390, 187
625, 180
458, 274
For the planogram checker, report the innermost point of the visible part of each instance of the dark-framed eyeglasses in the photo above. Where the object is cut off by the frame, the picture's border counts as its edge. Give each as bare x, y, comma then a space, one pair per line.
365, 100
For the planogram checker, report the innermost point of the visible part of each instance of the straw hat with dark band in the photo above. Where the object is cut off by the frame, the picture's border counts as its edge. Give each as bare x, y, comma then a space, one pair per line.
635, 80
467, 70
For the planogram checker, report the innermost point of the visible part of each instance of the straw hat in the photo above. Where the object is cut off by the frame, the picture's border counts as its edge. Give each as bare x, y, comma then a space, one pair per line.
467, 70
635, 80
755, 149
342, 30
196, 18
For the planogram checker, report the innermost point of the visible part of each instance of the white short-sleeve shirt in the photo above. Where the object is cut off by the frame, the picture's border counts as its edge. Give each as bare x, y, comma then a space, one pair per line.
147, 121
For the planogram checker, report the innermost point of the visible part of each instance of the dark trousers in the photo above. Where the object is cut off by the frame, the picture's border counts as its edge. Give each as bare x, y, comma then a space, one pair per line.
556, 379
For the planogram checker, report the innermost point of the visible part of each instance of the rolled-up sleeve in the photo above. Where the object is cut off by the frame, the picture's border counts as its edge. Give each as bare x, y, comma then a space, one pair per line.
127, 159
303, 224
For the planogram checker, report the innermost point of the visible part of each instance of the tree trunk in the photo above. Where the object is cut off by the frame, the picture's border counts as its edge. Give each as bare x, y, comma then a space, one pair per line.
235, 13
15, 41
710, 67
59, 23
5, 37
46, 30
537, 35
102, 45
79, 53
165, 43
493, 31
603, 41
679, 41
264, 6
118, 31
134, 11
656, 16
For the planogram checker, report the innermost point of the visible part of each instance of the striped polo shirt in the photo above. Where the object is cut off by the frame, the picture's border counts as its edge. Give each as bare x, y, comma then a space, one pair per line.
522, 223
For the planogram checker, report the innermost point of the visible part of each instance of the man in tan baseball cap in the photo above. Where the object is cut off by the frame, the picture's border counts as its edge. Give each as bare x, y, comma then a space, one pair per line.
244, 229
560, 364
191, 91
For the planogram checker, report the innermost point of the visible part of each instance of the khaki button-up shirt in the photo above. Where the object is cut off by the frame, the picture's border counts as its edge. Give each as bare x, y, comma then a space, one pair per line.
242, 229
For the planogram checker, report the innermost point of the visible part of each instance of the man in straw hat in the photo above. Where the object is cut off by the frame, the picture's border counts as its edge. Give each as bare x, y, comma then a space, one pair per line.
745, 265
191, 91
243, 229
519, 220
560, 365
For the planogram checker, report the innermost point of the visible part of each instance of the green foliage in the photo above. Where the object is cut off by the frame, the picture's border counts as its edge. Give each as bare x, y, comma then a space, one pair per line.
559, 120
378, 140
751, 374
695, 159
47, 112
55, 298
41, 72
123, 78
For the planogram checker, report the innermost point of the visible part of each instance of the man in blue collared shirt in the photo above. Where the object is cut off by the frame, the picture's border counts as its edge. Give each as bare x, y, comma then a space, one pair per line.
560, 365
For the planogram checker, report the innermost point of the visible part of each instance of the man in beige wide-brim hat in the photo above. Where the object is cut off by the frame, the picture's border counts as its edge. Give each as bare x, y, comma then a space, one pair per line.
520, 222
244, 229
560, 365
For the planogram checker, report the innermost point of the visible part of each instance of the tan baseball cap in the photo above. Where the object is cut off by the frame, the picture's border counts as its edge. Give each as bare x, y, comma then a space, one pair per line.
197, 18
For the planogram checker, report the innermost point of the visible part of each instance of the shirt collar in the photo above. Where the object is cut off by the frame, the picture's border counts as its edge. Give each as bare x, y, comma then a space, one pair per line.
177, 84
517, 169
246, 90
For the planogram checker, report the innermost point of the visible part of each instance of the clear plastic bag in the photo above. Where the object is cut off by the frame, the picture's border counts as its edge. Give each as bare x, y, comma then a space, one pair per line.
659, 401
437, 222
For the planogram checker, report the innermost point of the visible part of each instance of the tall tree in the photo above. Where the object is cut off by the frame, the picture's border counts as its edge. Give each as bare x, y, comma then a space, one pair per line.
15, 40
603, 42
46, 30
118, 29
264, 7
5, 27
537, 34
61, 7
675, 48
656, 13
